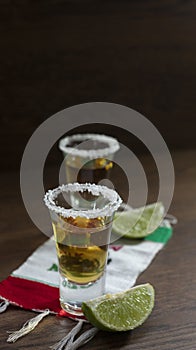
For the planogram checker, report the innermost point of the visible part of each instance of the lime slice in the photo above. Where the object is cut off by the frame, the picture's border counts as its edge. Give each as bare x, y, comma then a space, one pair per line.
122, 311
138, 223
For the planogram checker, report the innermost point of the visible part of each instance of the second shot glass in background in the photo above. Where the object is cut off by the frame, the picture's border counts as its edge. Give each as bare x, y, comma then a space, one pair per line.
88, 157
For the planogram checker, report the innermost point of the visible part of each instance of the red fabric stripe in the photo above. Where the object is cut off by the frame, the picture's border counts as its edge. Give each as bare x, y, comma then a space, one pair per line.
30, 295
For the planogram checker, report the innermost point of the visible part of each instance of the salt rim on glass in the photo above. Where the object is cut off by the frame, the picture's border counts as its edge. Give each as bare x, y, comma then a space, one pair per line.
112, 196
113, 145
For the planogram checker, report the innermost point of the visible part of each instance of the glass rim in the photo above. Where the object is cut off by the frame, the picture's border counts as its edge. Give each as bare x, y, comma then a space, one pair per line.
108, 210
113, 145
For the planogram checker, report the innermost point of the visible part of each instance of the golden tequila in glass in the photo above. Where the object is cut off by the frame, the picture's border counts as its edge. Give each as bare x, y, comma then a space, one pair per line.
82, 237
81, 260
92, 171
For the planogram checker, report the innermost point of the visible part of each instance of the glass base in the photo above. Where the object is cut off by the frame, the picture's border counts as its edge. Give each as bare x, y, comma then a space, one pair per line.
72, 309
73, 294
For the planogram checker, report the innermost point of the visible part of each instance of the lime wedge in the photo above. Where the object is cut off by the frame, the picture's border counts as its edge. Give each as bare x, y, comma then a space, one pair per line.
122, 311
140, 222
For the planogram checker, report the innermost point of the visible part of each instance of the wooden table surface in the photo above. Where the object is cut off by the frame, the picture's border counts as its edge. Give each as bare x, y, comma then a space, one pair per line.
172, 323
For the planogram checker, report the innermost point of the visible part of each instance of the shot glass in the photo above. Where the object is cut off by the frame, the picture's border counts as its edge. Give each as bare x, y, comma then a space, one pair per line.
82, 237
88, 157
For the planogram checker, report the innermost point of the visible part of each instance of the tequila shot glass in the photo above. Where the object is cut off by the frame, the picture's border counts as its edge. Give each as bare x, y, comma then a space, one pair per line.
88, 157
82, 237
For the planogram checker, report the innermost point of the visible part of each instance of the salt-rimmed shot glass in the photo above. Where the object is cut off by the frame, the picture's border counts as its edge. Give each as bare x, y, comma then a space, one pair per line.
88, 157
82, 237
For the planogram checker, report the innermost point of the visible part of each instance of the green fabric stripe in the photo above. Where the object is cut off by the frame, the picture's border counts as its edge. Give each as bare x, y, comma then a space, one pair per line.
161, 235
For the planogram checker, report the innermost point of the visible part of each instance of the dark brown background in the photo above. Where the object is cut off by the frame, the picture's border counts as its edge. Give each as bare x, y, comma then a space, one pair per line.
58, 53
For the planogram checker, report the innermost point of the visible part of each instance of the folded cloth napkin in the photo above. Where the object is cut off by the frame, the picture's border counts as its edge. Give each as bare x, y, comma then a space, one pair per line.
34, 285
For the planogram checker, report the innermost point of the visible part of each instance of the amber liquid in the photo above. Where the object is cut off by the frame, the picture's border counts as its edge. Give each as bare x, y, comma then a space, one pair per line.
92, 172
82, 256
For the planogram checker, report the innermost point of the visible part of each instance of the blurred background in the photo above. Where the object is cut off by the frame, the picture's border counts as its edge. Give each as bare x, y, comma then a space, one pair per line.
58, 53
